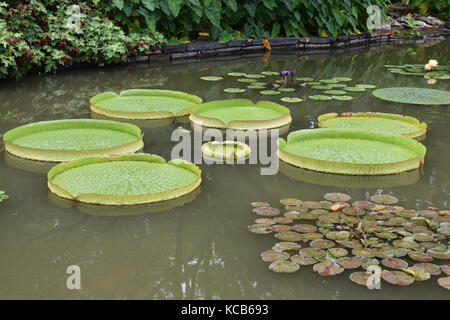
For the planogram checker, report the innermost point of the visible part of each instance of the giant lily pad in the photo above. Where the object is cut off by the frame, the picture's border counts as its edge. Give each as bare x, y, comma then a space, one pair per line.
376, 122
241, 114
414, 95
123, 180
347, 151
64, 140
144, 104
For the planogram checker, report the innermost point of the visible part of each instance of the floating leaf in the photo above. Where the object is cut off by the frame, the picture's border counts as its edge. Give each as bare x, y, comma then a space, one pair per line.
312, 252
329, 80
337, 197
321, 87
305, 79
245, 80
289, 236
270, 92
283, 220
432, 268
395, 263
234, 90
266, 211
444, 282
304, 228
286, 246
384, 199
312, 236
255, 76
271, 255
343, 98
338, 252
291, 100
265, 221
354, 89
280, 228
328, 268
419, 256
360, 277
446, 269
335, 92
259, 229
345, 79
438, 254
366, 86
419, 274
211, 78
370, 262
284, 266
260, 204
399, 278
302, 260
237, 74
350, 262
256, 86
286, 89
291, 202
322, 243
414, 95
363, 252
270, 73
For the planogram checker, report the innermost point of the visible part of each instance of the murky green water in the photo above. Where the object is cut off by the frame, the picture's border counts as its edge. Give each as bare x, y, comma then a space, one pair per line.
201, 250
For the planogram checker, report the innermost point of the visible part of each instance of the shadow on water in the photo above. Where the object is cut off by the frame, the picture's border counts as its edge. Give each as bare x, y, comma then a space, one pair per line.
201, 249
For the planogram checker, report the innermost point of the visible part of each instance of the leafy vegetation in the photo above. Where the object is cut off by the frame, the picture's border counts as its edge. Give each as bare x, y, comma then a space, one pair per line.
438, 8
34, 35
3, 196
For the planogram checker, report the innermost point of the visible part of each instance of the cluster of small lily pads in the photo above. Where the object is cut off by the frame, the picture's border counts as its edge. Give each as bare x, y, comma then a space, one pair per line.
437, 73
344, 235
334, 88
3, 196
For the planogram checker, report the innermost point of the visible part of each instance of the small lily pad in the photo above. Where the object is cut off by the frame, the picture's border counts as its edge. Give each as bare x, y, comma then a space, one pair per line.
366, 86
446, 269
350, 262
399, 278
386, 235
280, 228
322, 243
294, 215
270, 73
283, 220
321, 87
336, 85
237, 74
255, 76
328, 268
345, 79
337, 197
302, 260
351, 244
364, 205
259, 229
304, 228
360, 277
291, 202
432, 268
343, 98
286, 246
271, 255
354, 89
286, 89
419, 256
284, 266
260, 204
394, 263
384, 199
265, 221
256, 86
363, 252
291, 100
306, 79
211, 78
245, 80
312, 236
289, 236
234, 90
419, 274
270, 92
312, 252
266, 211
335, 92
370, 262
444, 282
329, 80
338, 252
439, 255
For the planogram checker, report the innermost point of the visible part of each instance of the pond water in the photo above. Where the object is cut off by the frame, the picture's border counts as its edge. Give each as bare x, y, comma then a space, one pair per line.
202, 250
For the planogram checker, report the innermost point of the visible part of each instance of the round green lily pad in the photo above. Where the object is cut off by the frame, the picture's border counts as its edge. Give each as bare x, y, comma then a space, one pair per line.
399, 278
303, 260
328, 268
354, 89
280, 228
255, 76
266, 211
337, 197
336, 85
343, 98
446, 269
360, 277
291, 202
444, 282
257, 204
64, 140
241, 114
347, 151
291, 100
329, 80
312, 252
394, 263
321, 87
286, 89
283, 220
320, 97
286, 246
304, 228
345, 79
123, 180
289, 236
375, 122
256, 86
284, 266
370, 262
306, 79
265, 221
438, 254
270, 92
237, 74
234, 90
270, 73
414, 95
432, 268
384, 199
245, 80
366, 86
211, 78
271, 255
420, 256
363, 252
338, 252
259, 229
419, 274
322, 243
350, 262
335, 92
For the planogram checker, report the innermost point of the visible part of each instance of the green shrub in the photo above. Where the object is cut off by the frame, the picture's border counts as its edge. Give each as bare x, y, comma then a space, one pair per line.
34, 34
437, 8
